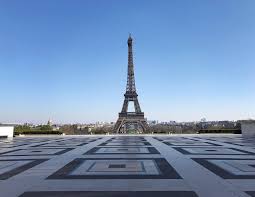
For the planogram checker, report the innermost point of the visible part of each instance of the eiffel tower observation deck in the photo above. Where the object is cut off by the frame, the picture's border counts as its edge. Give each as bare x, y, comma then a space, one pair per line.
136, 118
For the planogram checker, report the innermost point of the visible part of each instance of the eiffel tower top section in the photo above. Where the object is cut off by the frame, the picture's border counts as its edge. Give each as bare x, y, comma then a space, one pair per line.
130, 88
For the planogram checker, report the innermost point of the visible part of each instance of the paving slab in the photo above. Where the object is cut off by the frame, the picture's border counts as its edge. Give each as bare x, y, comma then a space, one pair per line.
131, 165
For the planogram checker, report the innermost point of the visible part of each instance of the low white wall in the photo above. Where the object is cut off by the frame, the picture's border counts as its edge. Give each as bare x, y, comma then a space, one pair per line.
248, 129
6, 131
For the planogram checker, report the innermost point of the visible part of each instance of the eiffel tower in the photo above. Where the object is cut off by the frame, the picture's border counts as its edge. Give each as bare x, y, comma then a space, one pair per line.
135, 118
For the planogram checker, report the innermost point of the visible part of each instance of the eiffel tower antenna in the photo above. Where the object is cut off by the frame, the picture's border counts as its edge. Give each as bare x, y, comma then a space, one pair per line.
125, 117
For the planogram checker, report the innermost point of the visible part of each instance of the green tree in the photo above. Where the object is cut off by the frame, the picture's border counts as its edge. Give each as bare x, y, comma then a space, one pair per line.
46, 128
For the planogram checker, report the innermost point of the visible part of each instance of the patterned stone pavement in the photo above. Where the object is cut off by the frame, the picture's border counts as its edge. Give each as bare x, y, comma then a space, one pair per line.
128, 166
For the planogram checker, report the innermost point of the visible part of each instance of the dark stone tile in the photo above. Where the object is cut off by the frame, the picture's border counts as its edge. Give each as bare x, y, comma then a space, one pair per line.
125, 143
58, 145
60, 152
251, 193
195, 144
110, 194
211, 151
7, 145
20, 169
222, 172
117, 166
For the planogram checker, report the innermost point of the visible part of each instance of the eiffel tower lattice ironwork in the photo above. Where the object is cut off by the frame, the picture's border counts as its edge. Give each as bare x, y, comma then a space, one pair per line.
125, 117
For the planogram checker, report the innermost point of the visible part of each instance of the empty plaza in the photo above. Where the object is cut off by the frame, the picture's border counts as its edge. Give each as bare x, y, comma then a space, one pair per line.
134, 165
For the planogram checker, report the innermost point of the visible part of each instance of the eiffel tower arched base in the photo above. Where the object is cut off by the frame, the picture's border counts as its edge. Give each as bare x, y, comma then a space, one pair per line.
130, 118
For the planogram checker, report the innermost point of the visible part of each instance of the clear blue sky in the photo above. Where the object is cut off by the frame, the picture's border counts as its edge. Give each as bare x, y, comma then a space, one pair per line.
67, 59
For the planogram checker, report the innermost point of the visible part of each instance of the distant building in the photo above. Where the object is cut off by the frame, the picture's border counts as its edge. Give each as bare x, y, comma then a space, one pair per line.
152, 122
50, 122
55, 127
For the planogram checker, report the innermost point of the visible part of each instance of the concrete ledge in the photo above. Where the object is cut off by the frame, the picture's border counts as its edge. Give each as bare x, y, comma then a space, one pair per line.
6, 131
248, 128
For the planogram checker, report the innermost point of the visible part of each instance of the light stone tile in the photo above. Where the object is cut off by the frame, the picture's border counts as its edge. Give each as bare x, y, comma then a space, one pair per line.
132, 167
236, 167
212, 150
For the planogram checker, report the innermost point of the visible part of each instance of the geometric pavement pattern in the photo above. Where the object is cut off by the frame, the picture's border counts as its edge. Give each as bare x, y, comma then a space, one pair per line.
128, 165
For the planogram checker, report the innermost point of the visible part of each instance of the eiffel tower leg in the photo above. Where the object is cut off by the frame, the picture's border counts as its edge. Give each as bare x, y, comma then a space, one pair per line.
125, 106
117, 126
137, 106
144, 125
